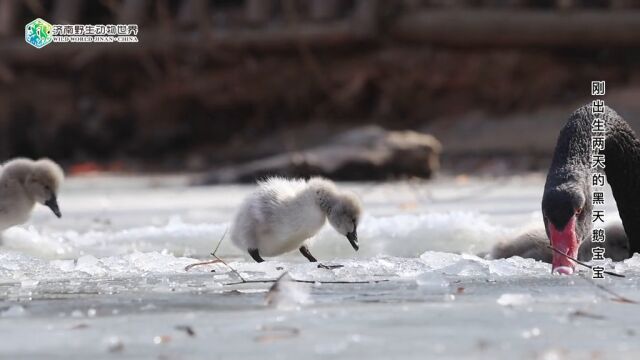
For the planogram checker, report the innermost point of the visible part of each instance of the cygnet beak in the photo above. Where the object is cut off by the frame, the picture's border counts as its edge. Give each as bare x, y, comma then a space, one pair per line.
53, 205
353, 239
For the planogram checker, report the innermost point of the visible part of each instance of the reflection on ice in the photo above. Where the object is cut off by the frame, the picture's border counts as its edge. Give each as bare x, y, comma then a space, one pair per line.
286, 294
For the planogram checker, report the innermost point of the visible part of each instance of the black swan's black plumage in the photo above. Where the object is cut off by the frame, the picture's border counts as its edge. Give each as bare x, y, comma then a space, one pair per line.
568, 184
622, 152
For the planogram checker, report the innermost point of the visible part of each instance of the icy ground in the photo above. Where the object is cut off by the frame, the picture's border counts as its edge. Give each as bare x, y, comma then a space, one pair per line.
108, 280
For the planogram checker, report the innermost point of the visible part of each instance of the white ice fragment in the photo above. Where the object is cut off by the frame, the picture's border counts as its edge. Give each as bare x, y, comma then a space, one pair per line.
331, 348
514, 299
77, 314
32, 241
287, 294
530, 333
553, 354
113, 344
64, 265
90, 265
252, 291
518, 266
468, 267
14, 311
29, 284
432, 281
162, 339
148, 307
438, 260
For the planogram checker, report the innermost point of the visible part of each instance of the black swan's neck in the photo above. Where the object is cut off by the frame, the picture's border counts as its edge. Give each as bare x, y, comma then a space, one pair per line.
571, 159
622, 152
570, 174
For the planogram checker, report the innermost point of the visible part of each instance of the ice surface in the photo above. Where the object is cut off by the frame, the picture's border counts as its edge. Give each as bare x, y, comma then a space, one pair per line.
515, 299
109, 279
287, 294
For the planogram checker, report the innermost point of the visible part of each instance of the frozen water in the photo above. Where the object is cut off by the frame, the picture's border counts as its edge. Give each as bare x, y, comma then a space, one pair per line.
286, 294
109, 279
515, 299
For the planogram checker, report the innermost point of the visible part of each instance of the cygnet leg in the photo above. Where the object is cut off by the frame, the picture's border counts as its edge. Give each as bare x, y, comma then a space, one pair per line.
255, 255
305, 251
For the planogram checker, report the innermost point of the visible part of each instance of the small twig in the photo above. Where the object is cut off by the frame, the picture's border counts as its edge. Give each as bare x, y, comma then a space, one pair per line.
222, 261
219, 242
585, 314
616, 297
188, 267
266, 281
583, 264
216, 260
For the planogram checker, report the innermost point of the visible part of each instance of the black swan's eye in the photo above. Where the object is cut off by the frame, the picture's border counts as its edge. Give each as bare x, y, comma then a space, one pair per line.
578, 211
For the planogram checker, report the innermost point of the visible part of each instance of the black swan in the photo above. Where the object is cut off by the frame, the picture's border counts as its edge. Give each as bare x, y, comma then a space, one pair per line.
567, 204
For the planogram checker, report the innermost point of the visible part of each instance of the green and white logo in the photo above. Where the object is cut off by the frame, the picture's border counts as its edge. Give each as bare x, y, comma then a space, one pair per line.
38, 33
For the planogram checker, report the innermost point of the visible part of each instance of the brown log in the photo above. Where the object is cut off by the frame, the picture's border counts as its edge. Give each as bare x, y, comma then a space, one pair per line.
474, 28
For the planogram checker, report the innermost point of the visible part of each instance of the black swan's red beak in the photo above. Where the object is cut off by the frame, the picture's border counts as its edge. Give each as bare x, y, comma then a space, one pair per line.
565, 241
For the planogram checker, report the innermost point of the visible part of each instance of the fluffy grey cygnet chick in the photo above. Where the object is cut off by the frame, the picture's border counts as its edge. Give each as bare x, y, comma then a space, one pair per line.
283, 213
25, 182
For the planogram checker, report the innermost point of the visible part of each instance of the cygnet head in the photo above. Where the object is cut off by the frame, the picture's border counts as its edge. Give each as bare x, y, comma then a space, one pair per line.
344, 216
343, 209
43, 183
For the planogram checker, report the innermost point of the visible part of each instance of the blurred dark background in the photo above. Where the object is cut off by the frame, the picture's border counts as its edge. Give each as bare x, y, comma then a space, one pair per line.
214, 83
